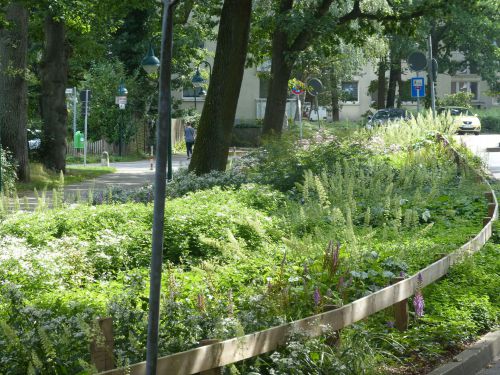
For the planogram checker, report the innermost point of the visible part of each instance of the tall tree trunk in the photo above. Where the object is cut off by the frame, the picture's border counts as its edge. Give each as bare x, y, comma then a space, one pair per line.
278, 82
13, 86
217, 118
381, 83
335, 95
395, 70
54, 76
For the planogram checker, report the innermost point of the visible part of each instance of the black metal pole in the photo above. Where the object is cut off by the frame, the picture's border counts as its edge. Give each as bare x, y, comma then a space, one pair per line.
163, 151
120, 135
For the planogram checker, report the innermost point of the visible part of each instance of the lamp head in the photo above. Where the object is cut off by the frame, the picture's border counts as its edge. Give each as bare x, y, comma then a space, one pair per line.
197, 79
150, 62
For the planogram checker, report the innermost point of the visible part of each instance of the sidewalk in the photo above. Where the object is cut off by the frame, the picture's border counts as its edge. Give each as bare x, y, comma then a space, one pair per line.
482, 358
128, 175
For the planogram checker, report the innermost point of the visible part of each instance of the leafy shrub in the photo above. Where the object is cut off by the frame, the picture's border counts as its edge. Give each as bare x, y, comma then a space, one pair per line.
119, 237
460, 99
183, 182
490, 124
8, 171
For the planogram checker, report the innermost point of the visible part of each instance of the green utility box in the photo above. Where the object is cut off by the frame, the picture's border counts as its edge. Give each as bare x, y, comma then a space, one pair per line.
78, 139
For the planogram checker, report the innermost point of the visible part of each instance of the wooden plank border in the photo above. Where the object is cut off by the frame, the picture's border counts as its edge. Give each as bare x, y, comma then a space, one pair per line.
237, 349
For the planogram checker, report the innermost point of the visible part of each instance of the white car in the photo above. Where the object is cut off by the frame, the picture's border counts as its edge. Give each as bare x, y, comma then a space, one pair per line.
467, 121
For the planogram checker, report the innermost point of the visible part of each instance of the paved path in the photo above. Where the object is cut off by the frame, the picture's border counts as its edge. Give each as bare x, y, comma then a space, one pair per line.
492, 369
128, 175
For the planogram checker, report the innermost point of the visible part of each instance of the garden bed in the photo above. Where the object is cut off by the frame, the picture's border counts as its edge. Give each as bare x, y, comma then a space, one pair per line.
296, 227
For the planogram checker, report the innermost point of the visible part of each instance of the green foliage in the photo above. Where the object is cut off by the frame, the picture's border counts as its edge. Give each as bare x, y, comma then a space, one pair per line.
241, 257
460, 99
8, 171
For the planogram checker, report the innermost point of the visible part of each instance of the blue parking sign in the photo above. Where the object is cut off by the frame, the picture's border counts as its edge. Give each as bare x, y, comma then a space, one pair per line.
417, 87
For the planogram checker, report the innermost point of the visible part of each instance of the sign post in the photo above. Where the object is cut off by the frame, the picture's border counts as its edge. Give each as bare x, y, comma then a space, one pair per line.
417, 62
418, 89
297, 91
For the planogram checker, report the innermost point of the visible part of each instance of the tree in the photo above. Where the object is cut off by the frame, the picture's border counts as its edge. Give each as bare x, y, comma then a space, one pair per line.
13, 85
299, 23
54, 77
217, 118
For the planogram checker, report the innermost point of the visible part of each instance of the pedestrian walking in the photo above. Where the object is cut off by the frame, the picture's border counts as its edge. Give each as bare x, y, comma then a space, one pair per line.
189, 137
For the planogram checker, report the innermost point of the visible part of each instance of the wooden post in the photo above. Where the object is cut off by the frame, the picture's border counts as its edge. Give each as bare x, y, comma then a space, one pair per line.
213, 371
400, 310
489, 196
486, 220
491, 209
101, 347
332, 339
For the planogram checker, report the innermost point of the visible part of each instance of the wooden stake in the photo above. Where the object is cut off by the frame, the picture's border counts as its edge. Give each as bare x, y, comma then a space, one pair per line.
486, 220
213, 371
332, 339
400, 310
489, 196
101, 347
491, 209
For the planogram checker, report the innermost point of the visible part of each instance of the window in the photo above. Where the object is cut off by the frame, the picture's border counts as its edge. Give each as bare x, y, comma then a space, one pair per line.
350, 91
189, 92
466, 86
263, 87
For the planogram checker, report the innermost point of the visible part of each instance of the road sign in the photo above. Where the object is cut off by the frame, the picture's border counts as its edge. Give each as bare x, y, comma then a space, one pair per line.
417, 61
297, 90
417, 87
120, 99
315, 86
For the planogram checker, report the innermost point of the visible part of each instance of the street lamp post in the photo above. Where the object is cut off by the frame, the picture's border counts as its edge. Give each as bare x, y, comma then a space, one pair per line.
163, 150
121, 100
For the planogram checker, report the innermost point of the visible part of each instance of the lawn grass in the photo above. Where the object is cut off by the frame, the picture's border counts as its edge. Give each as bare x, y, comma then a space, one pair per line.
43, 179
70, 159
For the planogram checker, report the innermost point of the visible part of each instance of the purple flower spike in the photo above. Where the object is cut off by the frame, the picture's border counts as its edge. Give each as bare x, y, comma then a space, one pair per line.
316, 296
402, 274
419, 304
390, 324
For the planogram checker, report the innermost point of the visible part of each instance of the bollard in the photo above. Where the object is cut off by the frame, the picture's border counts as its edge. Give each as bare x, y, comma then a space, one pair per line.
101, 347
333, 339
105, 159
151, 163
213, 371
400, 310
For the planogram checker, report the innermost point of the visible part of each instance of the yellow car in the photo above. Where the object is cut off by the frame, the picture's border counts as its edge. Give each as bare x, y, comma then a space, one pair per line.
467, 121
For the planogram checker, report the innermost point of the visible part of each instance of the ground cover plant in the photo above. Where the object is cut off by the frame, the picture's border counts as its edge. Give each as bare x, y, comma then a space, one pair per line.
323, 221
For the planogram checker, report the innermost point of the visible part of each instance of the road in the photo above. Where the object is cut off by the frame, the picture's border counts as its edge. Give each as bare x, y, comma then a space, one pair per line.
478, 145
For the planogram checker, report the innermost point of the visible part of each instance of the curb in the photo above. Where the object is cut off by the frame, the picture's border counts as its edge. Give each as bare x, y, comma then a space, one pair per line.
474, 359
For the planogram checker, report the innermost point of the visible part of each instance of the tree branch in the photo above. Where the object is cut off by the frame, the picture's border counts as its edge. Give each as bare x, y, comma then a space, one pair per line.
304, 38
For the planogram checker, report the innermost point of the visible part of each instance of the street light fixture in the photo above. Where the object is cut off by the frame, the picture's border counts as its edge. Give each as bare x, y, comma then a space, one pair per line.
198, 81
150, 62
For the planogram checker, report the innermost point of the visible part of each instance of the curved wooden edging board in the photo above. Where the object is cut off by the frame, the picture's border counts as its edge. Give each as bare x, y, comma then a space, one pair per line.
237, 349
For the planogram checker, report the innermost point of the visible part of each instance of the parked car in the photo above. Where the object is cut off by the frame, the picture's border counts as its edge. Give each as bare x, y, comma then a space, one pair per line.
383, 116
467, 121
